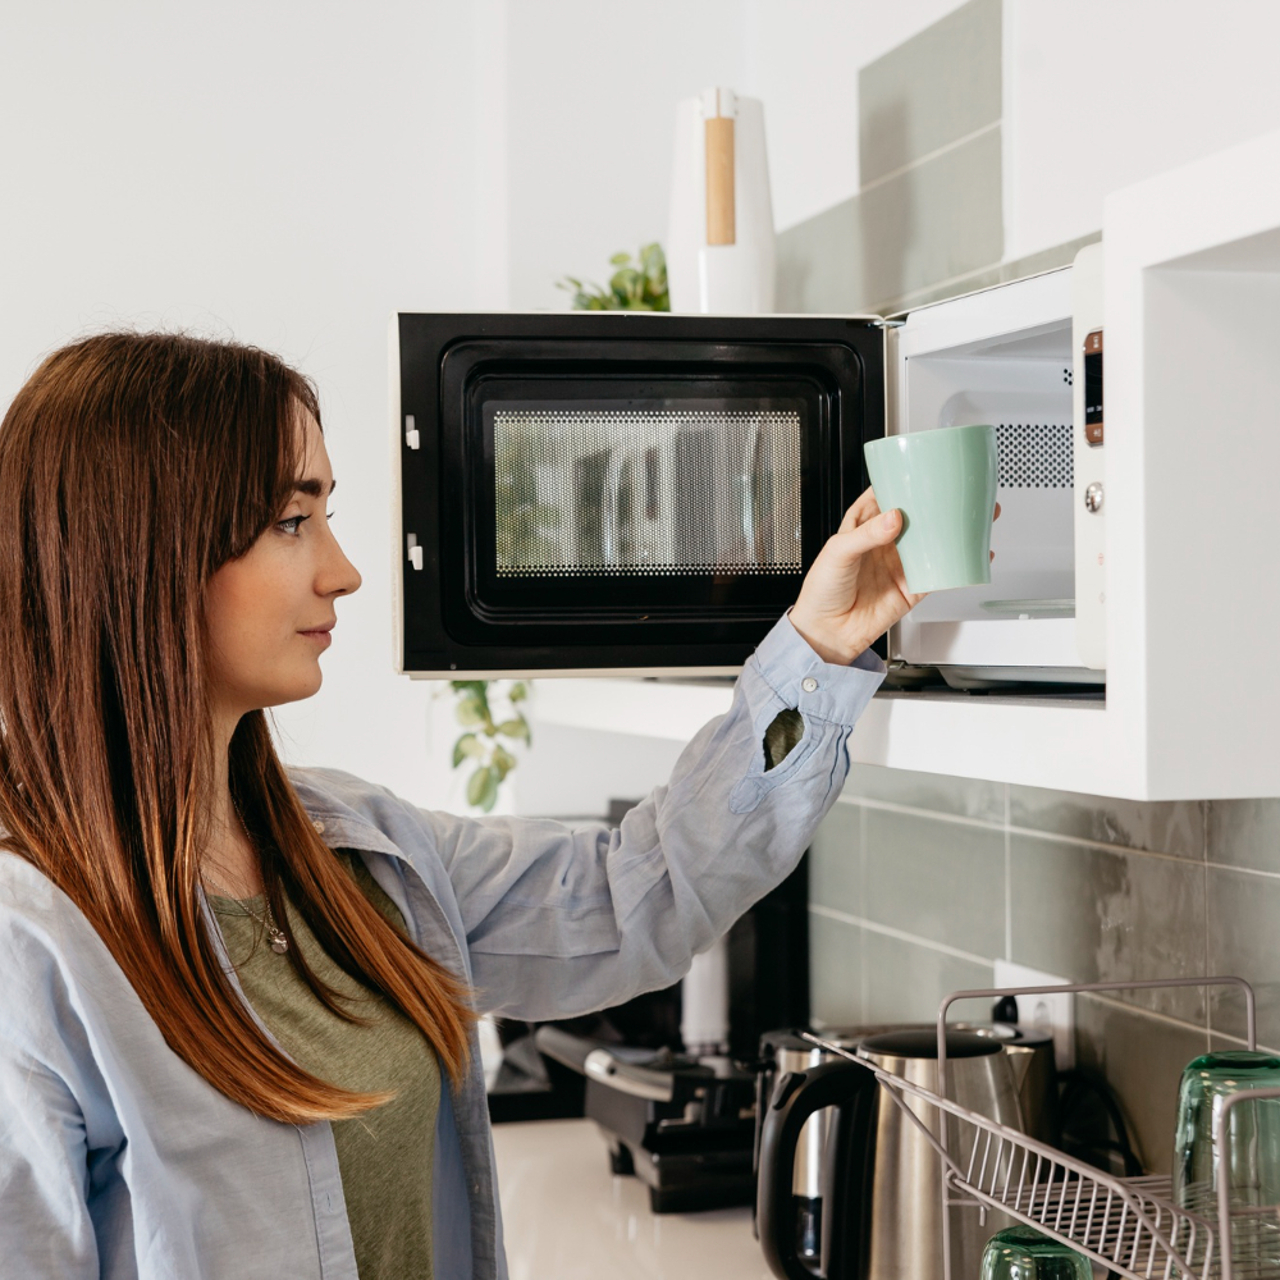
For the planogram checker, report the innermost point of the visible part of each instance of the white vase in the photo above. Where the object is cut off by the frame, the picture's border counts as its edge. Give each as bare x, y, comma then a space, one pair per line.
720, 246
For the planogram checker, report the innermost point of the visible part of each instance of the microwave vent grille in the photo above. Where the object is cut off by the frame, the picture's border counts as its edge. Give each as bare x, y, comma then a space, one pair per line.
1035, 455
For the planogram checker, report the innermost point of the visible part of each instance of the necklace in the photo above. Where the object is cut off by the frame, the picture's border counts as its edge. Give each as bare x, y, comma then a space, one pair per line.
275, 936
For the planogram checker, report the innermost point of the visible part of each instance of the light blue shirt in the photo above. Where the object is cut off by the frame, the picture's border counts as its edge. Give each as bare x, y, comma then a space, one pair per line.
118, 1160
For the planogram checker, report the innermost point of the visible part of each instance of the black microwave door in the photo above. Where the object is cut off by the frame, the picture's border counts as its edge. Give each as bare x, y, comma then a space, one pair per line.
623, 491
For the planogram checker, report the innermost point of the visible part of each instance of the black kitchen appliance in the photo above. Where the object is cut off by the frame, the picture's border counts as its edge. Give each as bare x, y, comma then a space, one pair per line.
638, 492
684, 1126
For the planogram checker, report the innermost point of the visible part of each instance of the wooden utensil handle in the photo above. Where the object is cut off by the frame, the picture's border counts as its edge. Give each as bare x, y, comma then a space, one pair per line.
720, 211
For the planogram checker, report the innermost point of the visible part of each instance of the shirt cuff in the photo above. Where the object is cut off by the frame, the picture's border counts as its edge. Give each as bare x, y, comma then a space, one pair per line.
803, 680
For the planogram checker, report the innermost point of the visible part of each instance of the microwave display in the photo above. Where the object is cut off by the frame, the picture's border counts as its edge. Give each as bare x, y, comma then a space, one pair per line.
638, 492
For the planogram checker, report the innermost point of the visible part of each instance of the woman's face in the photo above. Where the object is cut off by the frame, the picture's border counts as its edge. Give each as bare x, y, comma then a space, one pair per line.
269, 613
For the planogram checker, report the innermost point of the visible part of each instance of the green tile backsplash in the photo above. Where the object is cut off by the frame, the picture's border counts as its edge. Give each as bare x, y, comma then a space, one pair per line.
919, 883
931, 91
942, 879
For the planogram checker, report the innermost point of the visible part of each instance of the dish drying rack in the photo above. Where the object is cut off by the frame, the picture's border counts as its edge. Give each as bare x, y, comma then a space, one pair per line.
1128, 1225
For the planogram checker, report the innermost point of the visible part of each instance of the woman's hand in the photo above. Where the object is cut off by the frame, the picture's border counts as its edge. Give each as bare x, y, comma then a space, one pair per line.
856, 589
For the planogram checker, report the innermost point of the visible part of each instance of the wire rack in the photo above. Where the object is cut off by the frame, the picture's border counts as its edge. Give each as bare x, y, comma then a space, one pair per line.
1130, 1226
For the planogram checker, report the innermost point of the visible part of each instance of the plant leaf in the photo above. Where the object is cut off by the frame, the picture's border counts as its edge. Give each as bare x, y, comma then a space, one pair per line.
482, 788
471, 710
503, 762
477, 784
517, 729
467, 746
519, 690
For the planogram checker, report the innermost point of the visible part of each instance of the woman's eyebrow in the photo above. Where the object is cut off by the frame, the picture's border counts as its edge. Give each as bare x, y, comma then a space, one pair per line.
313, 488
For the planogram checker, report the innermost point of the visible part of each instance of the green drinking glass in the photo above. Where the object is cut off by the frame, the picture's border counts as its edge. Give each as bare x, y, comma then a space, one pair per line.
1022, 1253
944, 483
1250, 1162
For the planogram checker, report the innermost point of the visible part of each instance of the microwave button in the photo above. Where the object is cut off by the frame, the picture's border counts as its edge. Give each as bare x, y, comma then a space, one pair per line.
1093, 497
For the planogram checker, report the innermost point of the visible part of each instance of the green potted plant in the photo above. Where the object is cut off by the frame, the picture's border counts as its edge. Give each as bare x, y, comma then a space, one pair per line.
487, 740
639, 285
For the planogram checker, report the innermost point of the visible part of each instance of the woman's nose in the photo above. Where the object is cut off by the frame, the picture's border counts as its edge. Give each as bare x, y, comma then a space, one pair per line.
340, 577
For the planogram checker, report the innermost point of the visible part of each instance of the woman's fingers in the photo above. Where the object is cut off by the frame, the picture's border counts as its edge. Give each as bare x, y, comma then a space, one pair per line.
864, 509
877, 531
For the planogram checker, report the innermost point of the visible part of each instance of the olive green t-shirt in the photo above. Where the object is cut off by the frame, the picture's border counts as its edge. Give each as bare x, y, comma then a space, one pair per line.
386, 1155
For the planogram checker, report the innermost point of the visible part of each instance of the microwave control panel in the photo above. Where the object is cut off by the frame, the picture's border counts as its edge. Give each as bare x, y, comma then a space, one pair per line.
1092, 353
1090, 458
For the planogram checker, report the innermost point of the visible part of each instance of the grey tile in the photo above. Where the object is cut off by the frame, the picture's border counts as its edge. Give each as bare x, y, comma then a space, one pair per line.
1243, 913
964, 797
937, 879
1062, 255
1165, 827
1142, 1059
1095, 915
820, 263
940, 85
905, 982
1245, 833
835, 972
939, 219
1220, 1040
835, 861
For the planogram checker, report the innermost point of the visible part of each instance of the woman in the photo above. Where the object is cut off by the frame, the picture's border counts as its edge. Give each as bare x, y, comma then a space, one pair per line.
237, 1038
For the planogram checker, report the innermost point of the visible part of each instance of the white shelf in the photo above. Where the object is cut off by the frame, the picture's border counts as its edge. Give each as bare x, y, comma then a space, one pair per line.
671, 711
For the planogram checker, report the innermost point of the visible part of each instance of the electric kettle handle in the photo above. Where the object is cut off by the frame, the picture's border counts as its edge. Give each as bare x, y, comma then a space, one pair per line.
796, 1097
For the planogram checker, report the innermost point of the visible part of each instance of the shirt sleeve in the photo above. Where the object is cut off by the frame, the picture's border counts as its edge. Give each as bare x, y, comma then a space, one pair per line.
561, 921
46, 1232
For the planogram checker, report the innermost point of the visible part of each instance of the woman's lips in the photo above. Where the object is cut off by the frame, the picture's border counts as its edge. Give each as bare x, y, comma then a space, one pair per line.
320, 634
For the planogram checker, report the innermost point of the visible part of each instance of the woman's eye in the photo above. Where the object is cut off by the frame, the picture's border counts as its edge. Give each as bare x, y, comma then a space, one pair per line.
292, 524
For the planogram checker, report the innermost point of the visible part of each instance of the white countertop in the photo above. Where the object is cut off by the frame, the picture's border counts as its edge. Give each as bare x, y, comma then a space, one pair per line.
566, 1217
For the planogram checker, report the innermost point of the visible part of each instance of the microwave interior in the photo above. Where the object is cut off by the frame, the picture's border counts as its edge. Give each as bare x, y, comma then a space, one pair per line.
1019, 378
592, 492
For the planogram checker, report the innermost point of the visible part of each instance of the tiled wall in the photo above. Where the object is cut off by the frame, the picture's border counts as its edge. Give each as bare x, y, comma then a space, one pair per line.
919, 882
927, 222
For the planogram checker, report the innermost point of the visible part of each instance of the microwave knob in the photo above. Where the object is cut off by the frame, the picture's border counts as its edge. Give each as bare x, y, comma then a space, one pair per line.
1093, 497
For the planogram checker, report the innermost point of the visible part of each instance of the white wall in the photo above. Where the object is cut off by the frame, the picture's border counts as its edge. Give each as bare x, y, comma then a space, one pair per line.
286, 173
1104, 93
592, 91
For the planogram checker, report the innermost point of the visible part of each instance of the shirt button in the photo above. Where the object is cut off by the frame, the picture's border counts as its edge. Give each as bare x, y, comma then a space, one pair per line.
808, 684
319, 826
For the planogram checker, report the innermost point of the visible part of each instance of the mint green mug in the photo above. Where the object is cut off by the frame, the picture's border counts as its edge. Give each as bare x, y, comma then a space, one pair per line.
944, 483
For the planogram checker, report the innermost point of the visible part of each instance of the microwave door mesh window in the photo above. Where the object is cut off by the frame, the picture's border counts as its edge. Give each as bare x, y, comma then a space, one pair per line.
661, 491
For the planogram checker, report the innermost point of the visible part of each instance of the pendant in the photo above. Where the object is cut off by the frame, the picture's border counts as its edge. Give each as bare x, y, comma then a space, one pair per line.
279, 943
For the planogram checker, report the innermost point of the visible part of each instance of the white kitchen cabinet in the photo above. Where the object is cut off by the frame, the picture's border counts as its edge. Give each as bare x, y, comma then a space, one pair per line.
1191, 559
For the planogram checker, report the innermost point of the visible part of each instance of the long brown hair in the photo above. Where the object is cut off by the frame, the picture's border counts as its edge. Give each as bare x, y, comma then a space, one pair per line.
132, 466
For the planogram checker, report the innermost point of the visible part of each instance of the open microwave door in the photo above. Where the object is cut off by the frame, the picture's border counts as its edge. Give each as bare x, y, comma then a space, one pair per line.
1005, 357
612, 491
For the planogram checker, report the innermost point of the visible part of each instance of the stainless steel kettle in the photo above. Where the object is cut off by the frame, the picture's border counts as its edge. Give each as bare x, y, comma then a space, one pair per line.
881, 1179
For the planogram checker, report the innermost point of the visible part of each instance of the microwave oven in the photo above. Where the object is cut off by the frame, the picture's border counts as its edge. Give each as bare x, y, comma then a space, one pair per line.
642, 493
